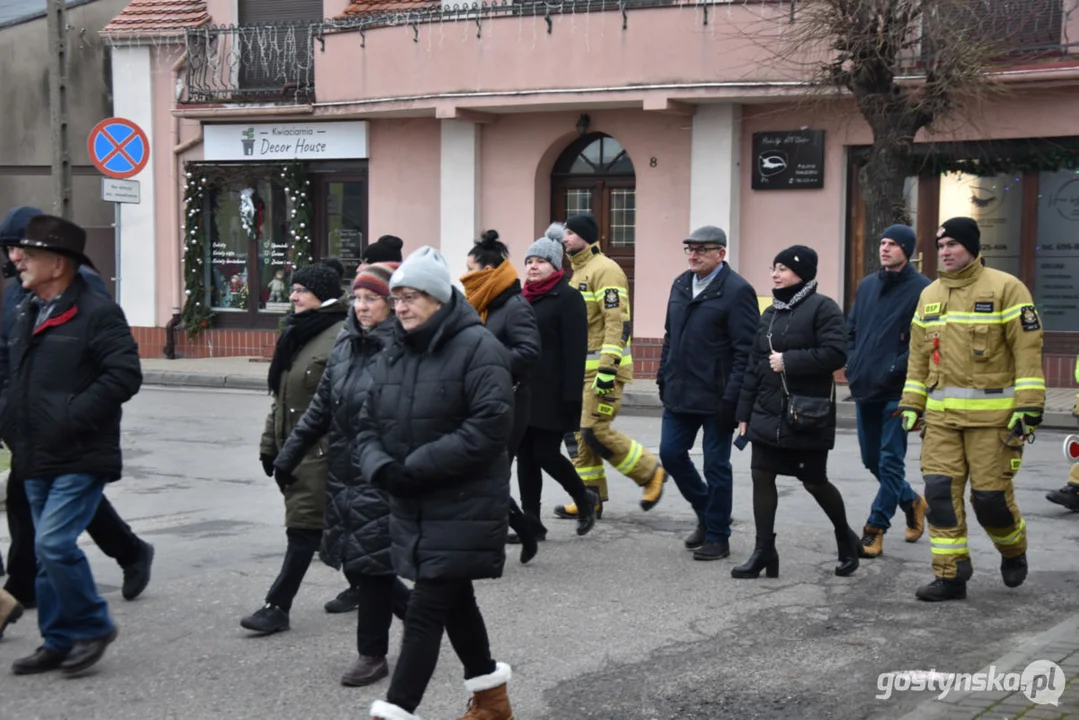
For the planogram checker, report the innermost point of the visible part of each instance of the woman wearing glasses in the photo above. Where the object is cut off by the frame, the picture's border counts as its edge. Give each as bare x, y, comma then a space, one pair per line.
433, 433
357, 532
787, 406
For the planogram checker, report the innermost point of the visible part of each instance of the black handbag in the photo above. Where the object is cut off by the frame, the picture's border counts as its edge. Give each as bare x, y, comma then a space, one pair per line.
804, 412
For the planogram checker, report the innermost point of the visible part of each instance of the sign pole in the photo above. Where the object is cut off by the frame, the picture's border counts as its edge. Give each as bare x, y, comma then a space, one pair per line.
116, 254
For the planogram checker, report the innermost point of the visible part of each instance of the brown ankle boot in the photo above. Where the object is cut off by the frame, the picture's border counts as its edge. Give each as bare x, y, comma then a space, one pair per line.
489, 699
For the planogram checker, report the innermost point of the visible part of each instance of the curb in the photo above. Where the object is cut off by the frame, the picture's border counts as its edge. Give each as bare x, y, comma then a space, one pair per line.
636, 399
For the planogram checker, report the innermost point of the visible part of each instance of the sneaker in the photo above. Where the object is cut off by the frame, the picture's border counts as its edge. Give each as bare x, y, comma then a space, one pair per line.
266, 620
346, 601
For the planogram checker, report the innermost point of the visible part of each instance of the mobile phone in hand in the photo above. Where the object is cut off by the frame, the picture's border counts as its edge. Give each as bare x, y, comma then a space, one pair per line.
741, 441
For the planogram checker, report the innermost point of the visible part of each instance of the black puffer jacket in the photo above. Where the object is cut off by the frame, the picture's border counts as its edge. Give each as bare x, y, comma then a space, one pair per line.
562, 319
812, 337
69, 379
511, 319
357, 532
441, 402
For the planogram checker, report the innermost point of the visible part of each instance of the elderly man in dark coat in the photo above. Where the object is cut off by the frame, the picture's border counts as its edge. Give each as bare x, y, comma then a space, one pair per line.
74, 363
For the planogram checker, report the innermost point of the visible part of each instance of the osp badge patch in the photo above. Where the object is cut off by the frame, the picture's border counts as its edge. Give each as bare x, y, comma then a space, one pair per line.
610, 298
1028, 316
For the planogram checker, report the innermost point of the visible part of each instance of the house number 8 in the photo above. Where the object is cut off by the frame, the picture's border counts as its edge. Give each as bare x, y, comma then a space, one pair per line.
653, 162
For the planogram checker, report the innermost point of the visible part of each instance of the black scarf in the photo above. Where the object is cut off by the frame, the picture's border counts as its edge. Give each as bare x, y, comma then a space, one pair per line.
299, 330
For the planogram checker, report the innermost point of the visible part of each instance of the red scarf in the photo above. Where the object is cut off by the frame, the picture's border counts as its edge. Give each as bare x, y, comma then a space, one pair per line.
535, 290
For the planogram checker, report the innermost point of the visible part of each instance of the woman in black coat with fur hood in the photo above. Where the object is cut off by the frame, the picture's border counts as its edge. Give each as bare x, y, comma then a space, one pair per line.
787, 405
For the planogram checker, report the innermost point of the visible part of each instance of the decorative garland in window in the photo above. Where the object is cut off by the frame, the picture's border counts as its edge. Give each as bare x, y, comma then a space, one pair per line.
195, 316
201, 183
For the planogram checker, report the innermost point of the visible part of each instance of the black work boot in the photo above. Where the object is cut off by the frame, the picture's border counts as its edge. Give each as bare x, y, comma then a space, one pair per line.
137, 574
696, 538
848, 545
1014, 570
1068, 496
943, 589
764, 557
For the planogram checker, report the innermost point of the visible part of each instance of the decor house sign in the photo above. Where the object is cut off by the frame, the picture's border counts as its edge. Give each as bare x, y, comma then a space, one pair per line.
285, 141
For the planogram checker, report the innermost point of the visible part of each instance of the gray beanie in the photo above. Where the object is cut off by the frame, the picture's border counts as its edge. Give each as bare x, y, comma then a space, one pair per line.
425, 270
549, 247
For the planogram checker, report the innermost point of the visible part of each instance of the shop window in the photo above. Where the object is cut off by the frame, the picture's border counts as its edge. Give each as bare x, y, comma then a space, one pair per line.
1057, 251
996, 202
346, 207
249, 260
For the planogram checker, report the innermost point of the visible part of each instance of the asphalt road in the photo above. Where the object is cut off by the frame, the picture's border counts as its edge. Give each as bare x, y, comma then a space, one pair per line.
619, 625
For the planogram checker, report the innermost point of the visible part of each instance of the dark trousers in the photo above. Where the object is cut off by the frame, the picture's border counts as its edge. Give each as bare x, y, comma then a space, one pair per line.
302, 546
381, 598
712, 500
540, 451
436, 605
107, 529
883, 443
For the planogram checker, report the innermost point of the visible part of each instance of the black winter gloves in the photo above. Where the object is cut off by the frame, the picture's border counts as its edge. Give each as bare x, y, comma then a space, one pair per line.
267, 464
283, 478
725, 417
394, 478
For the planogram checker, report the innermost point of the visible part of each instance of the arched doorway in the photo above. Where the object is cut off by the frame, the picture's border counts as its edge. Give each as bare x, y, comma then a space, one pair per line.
595, 174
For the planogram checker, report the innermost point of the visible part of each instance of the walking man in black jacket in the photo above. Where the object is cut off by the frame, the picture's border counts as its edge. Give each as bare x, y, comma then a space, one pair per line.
712, 318
74, 362
878, 331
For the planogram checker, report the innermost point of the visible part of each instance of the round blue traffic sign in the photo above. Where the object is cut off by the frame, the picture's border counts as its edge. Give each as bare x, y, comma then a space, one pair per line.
118, 148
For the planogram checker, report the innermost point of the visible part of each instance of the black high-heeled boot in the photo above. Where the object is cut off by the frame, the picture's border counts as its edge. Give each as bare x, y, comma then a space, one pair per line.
525, 535
847, 546
764, 557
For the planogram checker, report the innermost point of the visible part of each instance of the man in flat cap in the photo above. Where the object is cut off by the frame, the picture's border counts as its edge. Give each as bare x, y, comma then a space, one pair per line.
73, 363
712, 317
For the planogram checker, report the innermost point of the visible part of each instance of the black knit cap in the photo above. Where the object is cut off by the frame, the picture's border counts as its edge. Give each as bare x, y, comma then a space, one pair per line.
386, 249
322, 280
964, 231
801, 259
584, 225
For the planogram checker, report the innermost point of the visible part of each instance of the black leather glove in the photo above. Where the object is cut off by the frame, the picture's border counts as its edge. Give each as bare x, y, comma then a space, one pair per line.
725, 417
404, 486
267, 464
659, 386
284, 478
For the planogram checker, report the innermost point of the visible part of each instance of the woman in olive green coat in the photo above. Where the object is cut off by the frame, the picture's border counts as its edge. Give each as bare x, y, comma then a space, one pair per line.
299, 358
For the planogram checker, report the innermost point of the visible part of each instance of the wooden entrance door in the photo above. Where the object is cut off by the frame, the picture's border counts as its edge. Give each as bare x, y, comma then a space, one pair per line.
595, 175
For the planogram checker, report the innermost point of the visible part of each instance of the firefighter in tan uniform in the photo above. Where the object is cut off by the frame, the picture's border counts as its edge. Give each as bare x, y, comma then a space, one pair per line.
608, 367
975, 379
1068, 496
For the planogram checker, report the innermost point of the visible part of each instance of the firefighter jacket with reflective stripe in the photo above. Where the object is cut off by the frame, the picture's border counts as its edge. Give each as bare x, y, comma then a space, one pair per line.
975, 350
605, 290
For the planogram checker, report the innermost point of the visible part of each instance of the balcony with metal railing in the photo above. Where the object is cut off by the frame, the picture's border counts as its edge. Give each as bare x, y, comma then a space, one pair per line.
262, 63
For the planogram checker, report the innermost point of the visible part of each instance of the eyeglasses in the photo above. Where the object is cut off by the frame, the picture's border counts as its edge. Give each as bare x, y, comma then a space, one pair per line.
368, 300
404, 299
299, 289
700, 249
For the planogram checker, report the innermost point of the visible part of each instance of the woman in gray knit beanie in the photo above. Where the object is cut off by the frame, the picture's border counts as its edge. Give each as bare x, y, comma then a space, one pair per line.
562, 319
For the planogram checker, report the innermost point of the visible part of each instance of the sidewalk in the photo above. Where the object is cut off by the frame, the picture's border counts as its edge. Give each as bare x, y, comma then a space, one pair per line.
240, 373
1059, 645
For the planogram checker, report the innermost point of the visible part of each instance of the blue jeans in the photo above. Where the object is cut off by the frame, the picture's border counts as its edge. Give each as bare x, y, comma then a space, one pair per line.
884, 453
68, 606
711, 502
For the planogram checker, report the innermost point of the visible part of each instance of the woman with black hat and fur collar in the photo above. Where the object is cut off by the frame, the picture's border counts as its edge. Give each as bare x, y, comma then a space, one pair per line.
787, 406
300, 357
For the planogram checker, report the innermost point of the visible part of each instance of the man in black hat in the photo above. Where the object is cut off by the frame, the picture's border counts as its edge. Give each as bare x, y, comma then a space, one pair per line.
74, 362
107, 529
975, 383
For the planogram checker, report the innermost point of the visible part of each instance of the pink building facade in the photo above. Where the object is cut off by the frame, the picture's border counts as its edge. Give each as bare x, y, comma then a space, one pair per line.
434, 124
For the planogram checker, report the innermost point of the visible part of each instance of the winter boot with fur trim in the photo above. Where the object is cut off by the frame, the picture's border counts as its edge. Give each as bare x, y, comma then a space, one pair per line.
489, 699
382, 710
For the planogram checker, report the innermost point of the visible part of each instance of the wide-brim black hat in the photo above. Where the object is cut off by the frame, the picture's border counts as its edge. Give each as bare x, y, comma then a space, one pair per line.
55, 234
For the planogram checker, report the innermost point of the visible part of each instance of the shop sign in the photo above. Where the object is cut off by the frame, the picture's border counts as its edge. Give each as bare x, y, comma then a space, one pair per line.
791, 160
276, 142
